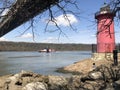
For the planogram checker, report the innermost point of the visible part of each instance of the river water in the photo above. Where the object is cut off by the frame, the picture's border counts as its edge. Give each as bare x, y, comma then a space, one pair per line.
43, 63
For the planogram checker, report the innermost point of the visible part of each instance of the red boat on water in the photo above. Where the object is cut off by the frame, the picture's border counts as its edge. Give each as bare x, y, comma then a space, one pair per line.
47, 50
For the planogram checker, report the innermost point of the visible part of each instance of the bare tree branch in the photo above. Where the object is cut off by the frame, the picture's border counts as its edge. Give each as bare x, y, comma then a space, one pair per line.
61, 6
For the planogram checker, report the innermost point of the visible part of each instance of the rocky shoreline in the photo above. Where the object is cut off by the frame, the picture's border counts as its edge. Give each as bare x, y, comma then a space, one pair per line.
83, 66
103, 77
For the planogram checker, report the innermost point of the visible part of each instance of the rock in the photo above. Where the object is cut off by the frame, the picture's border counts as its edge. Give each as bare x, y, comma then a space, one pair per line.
26, 74
111, 89
35, 86
57, 83
74, 82
2, 83
92, 85
13, 78
26, 80
89, 86
102, 78
95, 75
17, 81
117, 82
10, 82
116, 85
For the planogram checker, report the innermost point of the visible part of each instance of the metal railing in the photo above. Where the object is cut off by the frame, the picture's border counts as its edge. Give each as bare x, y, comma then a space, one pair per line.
94, 47
104, 12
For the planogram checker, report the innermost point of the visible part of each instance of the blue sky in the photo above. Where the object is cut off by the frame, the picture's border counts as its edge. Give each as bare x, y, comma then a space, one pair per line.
85, 25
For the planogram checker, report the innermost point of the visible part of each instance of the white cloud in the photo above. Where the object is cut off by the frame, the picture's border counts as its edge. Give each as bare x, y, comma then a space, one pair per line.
28, 35
50, 40
65, 20
3, 39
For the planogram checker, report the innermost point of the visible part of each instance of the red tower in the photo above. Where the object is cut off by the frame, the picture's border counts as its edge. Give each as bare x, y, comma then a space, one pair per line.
105, 30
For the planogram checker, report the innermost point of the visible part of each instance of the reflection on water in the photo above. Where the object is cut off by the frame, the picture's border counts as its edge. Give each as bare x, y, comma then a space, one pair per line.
43, 63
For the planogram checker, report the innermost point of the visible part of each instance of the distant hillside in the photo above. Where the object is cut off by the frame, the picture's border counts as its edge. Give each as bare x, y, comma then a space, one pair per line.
23, 46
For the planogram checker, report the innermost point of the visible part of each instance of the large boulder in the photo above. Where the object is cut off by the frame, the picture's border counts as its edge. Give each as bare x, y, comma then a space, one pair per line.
35, 86
57, 83
74, 82
95, 75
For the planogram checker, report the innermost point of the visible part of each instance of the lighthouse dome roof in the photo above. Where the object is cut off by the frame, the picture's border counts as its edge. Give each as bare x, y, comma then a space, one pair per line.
105, 7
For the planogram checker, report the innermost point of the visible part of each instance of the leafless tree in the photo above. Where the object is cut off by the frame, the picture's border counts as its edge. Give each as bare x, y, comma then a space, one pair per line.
62, 6
115, 9
115, 5
4, 5
9, 8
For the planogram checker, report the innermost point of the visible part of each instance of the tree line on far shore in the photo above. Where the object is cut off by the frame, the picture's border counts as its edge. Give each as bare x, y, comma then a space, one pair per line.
24, 46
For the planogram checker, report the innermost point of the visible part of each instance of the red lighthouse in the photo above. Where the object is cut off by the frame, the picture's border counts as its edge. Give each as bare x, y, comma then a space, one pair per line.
105, 30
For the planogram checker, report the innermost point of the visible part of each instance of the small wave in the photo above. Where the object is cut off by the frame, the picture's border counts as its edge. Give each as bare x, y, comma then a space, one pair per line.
24, 57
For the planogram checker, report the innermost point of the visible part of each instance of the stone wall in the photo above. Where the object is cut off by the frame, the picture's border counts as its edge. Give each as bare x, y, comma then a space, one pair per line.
102, 56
